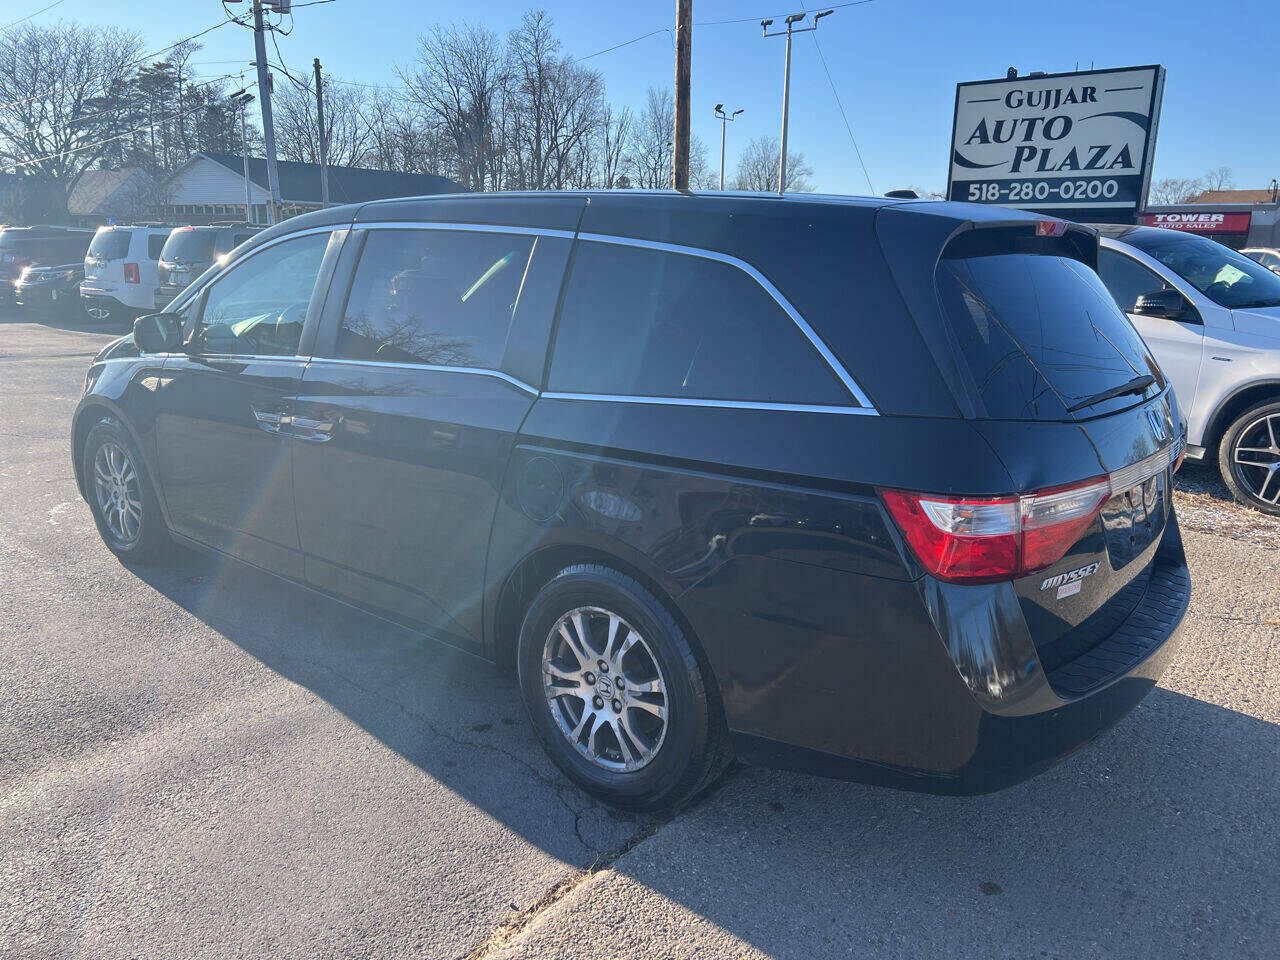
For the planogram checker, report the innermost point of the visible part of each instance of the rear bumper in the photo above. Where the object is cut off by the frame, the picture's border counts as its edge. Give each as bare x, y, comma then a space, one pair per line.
945, 696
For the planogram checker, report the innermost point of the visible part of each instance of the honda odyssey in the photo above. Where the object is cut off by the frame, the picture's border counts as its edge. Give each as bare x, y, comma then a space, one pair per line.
872, 488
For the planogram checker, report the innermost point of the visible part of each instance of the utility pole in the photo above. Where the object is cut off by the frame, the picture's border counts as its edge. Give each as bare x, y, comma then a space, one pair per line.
725, 120
791, 21
324, 139
684, 58
268, 127
242, 98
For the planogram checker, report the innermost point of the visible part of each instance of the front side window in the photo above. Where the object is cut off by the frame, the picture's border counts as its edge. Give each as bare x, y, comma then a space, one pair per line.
435, 297
1225, 276
642, 322
1126, 278
260, 305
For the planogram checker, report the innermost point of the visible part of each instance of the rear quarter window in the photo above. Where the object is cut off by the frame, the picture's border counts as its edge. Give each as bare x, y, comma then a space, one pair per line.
642, 322
155, 243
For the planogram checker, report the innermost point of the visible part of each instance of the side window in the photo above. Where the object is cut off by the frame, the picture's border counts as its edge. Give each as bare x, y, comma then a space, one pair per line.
1126, 278
259, 305
639, 322
155, 243
439, 297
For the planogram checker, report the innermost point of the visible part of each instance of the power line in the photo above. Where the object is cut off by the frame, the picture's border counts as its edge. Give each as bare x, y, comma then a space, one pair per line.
30, 15
98, 143
625, 43
715, 23
835, 93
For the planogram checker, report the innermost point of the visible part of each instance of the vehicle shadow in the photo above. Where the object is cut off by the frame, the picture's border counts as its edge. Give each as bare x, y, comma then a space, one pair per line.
1160, 839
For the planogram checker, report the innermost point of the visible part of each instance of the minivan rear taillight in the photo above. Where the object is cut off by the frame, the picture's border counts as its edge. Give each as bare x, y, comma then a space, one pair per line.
985, 539
130, 273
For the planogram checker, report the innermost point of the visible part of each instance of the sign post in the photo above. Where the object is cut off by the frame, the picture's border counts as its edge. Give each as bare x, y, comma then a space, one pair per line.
1077, 145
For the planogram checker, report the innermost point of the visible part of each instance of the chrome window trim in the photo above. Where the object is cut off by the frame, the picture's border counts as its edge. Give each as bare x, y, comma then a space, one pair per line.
730, 404
463, 228
438, 368
810, 334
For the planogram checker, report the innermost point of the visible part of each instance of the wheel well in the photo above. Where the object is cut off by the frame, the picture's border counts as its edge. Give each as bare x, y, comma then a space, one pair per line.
1232, 408
533, 573
88, 418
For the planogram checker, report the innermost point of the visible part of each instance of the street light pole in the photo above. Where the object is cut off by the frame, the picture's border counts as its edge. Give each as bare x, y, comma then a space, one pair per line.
725, 120
242, 99
790, 22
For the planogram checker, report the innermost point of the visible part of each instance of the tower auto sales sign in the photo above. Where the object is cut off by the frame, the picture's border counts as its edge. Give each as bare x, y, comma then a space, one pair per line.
1060, 143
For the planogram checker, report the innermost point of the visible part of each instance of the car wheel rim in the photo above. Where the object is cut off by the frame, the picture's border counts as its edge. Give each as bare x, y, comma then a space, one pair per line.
605, 689
98, 313
115, 485
1256, 458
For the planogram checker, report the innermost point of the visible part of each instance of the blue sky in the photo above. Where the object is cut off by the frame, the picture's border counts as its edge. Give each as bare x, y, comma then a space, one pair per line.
895, 64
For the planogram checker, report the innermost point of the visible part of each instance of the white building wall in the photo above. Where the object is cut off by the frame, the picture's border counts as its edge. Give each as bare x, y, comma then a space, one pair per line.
206, 182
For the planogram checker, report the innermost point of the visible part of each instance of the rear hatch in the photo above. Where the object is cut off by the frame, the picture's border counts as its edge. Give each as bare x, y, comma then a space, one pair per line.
1062, 387
104, 263
187, 253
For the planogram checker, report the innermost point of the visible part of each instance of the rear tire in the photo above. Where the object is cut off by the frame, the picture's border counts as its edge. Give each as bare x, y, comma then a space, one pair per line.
638, 722
1249, 457
120, 495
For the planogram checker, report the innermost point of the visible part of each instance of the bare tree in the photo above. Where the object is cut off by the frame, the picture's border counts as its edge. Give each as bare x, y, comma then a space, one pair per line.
403, 138
758, 168
51, 80
554, 108
614, 133
1172, 190
1218, 179
458, 80
350, 138
649, 160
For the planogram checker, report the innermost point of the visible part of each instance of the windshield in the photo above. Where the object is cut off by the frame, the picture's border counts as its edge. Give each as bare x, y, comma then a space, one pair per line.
189, 246
110, 245
1042, 338
1226, 277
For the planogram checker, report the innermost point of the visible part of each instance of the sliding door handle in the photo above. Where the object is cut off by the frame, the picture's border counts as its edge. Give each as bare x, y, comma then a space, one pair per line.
304, 428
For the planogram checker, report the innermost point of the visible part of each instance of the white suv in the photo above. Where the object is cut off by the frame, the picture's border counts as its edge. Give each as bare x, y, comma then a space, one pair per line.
120, 272
1211, 316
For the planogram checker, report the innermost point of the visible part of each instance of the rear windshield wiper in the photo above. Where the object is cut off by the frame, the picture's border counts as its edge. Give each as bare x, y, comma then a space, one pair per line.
1136, 385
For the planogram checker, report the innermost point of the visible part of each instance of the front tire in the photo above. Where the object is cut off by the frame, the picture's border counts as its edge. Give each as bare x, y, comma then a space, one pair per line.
1249, 457
616, 692
120, 495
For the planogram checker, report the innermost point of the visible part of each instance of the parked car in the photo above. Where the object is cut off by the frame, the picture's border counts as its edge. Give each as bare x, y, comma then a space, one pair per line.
50, 290
1269, 257
190, 251
873, 488
121, 272
42, 246
1212, 318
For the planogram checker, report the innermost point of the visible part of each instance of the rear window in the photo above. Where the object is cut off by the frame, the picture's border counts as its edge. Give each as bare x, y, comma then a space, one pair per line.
189, 246
110, 245
1040, 334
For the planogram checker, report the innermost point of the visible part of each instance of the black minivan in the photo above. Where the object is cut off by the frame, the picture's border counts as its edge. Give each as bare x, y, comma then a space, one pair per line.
871, 488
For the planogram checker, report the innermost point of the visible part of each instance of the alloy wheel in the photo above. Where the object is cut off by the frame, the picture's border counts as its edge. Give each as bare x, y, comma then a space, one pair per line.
1255, 459
116, 489
605, 689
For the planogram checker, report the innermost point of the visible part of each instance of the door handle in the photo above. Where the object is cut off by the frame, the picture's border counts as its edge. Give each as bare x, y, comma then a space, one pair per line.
268, 420
304, 428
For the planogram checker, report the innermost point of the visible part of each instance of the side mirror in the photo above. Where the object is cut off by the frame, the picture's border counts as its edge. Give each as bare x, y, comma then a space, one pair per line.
1166, 303
158, 333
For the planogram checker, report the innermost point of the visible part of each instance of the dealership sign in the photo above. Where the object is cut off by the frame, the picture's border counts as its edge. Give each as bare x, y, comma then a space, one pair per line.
1060, 143
1198, 222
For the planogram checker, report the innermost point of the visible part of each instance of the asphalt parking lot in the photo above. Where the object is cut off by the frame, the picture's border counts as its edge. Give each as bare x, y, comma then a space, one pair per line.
197, 760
